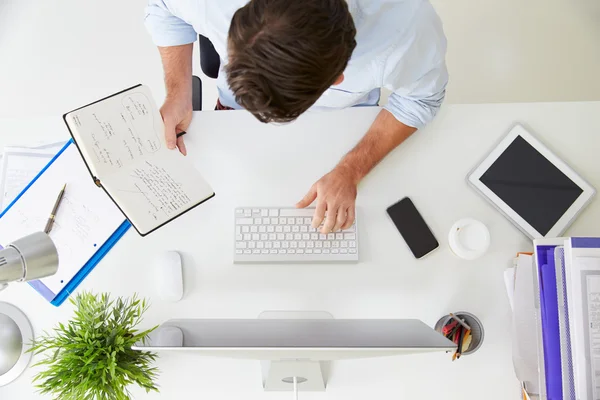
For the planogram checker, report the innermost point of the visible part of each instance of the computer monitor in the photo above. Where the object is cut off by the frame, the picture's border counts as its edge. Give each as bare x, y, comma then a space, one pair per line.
296, 348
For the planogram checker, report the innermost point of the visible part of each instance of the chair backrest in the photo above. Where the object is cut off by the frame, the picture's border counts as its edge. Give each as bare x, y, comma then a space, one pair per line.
210, 62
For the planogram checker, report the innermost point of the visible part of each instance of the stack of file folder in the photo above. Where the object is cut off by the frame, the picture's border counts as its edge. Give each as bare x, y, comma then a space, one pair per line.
567, 312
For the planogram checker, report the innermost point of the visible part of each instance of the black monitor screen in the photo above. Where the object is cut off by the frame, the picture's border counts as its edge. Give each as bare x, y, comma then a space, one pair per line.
531, 185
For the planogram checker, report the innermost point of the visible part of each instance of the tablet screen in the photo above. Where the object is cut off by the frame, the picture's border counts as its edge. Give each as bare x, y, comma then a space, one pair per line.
531, 185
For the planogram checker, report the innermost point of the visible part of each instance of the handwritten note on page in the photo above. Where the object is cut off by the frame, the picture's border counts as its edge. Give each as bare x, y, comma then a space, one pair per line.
84, 221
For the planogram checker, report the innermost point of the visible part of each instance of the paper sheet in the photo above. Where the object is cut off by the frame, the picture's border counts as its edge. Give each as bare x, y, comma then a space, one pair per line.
19, 166
85, 219
593, 323
509, 282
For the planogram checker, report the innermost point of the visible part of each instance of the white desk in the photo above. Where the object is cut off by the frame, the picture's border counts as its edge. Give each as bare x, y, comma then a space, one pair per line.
252, 164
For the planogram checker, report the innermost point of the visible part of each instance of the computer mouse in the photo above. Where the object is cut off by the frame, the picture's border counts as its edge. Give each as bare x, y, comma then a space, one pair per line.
169, 276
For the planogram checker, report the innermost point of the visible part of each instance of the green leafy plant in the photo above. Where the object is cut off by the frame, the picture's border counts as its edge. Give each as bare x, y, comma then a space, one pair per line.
91, 357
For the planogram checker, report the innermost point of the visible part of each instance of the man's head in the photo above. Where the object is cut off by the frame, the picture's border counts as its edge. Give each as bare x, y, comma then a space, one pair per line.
283, 54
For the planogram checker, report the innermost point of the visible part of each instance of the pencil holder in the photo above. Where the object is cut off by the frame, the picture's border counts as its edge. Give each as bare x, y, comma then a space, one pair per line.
477, 332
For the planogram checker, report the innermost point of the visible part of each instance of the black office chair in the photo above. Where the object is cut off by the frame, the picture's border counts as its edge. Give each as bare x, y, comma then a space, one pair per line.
210, 62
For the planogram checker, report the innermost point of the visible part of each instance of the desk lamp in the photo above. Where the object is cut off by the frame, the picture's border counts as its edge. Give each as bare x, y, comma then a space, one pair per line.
29, 258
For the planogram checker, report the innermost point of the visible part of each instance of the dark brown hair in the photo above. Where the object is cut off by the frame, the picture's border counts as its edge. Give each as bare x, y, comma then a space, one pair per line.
283, 54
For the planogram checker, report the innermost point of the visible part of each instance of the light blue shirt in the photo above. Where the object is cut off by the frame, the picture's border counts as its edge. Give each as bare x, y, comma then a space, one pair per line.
400, 46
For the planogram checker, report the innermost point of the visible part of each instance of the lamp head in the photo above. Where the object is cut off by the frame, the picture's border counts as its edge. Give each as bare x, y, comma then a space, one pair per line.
29, 258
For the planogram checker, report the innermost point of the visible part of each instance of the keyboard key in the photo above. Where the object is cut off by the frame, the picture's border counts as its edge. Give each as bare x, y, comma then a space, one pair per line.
350, 236
239, 211
322, 236
247, 251
287, 229
291, 251
272, 251
239, 237
272, 236
352, 251
254, 229
273, 212
339, 236
343, 251
247, 236
257, 221
252, 245
293, 245
310, 244
317, 251
260, 245
291, 221
295, 228
264, 251
244, 221
299, 251
302, 244
304, 228
309, 251
325, 251
318, 244
248, 212
262, 229
270, 229
335, 251
264, 212
352, 244
274, 221
280, 236
314, 236
276, 245
326, 245
289, 236
297, 212
307, 221
297, 236
239, 252
255, 251
255, 236
330, 236
264, 236
343, 244
299, 221
282, 251
268, 245
255, 210
238, 230
282, 221
266, 221
279, 228
285, 245
335, 244
311, 229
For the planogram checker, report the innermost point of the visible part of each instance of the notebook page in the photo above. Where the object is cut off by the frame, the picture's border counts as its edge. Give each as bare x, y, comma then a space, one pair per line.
85, 219
155, 190
118, 131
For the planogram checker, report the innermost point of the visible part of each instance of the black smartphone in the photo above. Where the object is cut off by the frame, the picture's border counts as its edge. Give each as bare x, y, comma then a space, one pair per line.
413, 228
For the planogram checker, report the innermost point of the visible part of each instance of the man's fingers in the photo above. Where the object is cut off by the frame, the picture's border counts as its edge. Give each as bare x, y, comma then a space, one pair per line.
349, 218
340, 220
170, 134
309, 198
319, 214
330, 220
181, 146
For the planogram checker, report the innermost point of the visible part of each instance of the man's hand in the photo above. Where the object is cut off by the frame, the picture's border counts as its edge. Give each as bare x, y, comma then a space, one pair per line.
177, 116
335, 194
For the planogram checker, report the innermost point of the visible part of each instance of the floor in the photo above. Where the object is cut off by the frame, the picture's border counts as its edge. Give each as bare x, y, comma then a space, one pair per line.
499, 51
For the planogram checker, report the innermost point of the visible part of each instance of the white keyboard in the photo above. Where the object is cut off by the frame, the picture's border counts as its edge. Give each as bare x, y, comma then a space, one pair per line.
283, 235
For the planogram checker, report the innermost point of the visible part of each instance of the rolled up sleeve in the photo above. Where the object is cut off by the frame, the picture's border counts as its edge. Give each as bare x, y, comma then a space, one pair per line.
165, 28
418, 104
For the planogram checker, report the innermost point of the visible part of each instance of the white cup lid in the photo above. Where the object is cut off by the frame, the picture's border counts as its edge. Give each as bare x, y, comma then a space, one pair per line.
469, 239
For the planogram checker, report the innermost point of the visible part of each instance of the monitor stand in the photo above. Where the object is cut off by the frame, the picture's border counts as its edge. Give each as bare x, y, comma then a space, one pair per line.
295, 375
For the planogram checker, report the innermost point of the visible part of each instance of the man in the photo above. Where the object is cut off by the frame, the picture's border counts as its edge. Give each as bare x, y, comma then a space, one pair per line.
282, 57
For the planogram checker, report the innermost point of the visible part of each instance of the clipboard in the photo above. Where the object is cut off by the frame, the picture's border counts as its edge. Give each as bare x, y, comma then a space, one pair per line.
48, 291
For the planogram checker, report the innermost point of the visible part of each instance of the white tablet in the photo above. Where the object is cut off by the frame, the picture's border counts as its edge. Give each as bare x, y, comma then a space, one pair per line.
535, 189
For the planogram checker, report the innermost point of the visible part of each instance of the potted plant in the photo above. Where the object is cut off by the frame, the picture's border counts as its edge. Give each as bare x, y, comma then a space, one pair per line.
91, 357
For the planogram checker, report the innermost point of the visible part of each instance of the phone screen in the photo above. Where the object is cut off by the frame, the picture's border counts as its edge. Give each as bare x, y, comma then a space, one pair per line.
413, 228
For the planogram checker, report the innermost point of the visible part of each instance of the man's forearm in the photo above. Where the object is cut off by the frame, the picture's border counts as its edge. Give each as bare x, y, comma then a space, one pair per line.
177, 63
385, 135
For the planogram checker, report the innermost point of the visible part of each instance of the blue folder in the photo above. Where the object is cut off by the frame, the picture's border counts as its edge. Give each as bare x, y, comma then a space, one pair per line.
57, 299
550, 326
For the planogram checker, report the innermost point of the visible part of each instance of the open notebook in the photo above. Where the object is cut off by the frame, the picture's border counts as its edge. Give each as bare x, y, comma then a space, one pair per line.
121, 140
